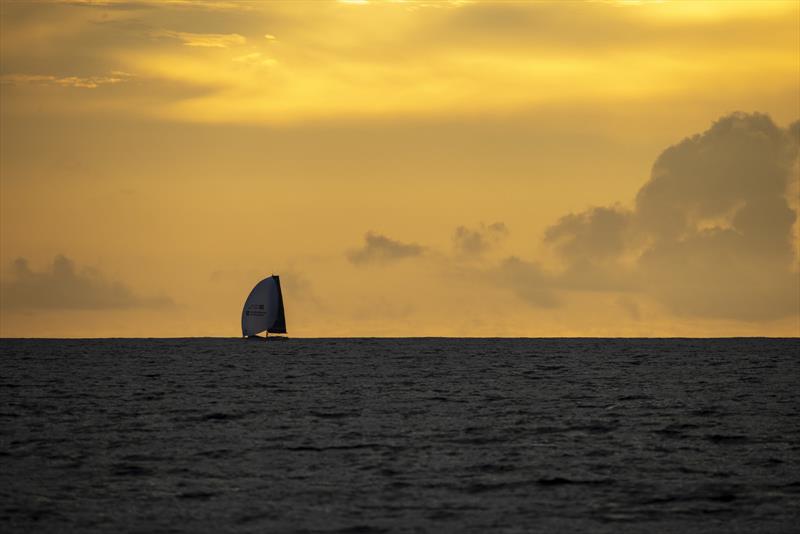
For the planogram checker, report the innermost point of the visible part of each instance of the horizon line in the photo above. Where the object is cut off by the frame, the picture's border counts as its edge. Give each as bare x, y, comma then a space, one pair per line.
2, 338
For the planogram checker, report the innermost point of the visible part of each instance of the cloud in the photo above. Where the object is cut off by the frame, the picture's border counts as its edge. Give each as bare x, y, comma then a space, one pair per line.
381, 249
471, 243
153, 4
594, 234
711, 233
108, 4
605, 25
738, 168
63, 287
207, 40
84, 82
528, 281
256, 59
515, 56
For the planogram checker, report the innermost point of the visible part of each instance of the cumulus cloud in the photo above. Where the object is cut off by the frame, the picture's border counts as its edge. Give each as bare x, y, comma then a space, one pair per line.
735, 175
471, 243
711, 233
381, 249
64, 287
594, 234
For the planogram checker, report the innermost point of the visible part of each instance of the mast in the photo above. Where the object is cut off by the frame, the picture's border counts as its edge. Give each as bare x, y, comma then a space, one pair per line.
266, 332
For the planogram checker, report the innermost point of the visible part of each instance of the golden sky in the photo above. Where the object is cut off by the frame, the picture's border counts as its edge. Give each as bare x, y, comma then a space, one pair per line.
599, 168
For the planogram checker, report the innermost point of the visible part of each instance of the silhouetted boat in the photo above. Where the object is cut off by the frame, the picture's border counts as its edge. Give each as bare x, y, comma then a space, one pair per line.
263, 309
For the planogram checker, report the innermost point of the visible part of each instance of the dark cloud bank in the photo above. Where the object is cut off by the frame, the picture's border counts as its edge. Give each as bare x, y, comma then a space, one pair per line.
63, 287
710, 234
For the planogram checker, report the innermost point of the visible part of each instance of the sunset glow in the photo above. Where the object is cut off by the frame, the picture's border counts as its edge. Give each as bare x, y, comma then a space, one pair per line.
408, 168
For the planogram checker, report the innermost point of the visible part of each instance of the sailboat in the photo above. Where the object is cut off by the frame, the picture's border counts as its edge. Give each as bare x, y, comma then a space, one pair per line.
263, 309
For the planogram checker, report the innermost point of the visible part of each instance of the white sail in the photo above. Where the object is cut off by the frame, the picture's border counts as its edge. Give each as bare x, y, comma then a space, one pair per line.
263, 309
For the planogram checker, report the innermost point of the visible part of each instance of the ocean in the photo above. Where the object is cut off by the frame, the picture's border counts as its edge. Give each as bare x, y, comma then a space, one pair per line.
400, 435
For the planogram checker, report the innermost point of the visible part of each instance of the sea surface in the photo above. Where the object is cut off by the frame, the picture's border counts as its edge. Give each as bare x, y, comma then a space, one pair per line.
400, 435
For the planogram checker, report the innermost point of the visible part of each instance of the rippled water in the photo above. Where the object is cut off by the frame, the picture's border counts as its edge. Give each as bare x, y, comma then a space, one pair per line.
363, 435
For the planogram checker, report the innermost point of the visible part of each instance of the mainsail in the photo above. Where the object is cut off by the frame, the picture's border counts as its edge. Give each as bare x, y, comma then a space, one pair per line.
263, 309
